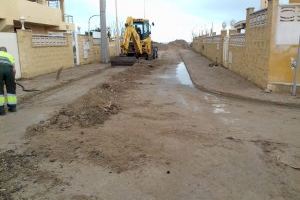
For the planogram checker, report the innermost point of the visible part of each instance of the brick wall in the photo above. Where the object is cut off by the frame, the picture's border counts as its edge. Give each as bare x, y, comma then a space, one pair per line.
43, 59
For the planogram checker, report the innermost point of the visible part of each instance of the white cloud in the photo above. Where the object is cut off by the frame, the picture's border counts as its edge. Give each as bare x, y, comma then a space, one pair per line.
171, 22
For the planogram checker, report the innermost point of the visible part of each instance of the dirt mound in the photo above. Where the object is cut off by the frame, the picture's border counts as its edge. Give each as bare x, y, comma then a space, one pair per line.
64, 130
179, 44
97, 105
161, 46
93, 108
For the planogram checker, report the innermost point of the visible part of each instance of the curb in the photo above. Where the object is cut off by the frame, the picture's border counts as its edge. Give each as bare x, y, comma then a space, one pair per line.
24, 98
237, 96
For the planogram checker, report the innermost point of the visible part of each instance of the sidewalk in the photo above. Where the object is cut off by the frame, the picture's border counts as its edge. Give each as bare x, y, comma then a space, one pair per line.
48, 82
222, 81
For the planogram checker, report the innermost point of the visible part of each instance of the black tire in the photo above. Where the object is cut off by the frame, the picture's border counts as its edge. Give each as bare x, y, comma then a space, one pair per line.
123, 61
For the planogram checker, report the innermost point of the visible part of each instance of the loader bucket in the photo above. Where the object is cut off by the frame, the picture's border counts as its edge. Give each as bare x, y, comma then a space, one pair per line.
123, 61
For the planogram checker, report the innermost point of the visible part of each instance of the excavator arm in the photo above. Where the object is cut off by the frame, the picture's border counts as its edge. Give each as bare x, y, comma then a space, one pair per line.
131, 35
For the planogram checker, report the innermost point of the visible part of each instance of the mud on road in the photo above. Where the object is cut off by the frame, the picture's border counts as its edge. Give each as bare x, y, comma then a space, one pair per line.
145, 135
56, 139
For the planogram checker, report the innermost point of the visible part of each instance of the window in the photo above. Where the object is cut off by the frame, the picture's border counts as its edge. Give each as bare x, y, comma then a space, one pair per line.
139, 28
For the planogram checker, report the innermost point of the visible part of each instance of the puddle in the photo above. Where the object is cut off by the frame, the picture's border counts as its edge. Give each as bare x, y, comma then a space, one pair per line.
220, 108
183, 75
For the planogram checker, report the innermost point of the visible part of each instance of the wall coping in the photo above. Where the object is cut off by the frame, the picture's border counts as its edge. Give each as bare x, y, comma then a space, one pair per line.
259, 11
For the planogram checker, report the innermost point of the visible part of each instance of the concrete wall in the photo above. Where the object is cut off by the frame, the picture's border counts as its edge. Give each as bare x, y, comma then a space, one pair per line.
257, 47
94, 51
280, 73
42, 60
237, 61
210, 47
259, 58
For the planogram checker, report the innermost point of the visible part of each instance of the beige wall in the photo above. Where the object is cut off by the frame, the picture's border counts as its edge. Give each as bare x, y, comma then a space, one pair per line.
259, 60
11, 10
280, 72
94, 53
42, 60
238, 63
211, 50
257, 51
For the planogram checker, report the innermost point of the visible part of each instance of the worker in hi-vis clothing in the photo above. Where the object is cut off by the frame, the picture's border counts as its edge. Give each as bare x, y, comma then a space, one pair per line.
7, 78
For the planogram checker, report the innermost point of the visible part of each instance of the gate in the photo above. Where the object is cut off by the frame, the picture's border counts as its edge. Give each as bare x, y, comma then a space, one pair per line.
9, 40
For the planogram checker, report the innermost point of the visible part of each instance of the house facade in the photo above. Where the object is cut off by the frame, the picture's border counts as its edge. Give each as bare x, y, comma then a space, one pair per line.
40, 16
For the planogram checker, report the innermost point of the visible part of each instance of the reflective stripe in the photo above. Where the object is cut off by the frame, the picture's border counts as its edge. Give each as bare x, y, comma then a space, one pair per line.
7, 56
11, 99
5, 62
2, 100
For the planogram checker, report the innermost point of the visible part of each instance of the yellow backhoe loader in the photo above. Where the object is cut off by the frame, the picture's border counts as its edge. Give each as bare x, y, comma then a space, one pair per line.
136, 43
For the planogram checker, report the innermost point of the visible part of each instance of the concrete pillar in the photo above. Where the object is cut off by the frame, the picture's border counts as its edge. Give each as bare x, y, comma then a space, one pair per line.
62, 8
223, 33
272, 21
263, 4
223, 36
249, 11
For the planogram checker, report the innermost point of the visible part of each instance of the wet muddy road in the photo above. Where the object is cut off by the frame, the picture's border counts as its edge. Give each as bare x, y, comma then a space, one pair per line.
172, 141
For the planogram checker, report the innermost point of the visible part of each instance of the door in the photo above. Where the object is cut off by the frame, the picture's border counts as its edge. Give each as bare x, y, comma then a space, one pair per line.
9, 40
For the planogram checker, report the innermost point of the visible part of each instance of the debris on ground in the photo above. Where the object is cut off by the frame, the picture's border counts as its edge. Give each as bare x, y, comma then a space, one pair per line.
17, 171
48, 141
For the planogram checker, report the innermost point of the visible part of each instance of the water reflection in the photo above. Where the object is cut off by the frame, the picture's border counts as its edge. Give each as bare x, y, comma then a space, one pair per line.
183, 75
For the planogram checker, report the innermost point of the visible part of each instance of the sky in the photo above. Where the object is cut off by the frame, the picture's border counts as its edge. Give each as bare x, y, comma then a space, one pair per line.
174, 19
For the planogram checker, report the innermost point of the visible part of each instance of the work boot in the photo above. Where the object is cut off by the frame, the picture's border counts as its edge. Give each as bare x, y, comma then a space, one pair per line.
12, 109
2, 111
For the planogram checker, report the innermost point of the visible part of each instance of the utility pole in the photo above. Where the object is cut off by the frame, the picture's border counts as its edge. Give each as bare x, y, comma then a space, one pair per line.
117, 29
144, 9
104, 42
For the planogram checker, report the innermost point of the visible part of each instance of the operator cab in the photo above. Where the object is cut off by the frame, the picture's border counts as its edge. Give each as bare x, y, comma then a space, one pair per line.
143, 28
